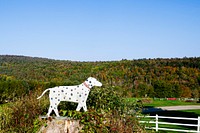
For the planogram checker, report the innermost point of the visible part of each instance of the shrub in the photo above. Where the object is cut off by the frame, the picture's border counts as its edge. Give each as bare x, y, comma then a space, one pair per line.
21, 115
104, 98
147, 100
108, 112
5, 117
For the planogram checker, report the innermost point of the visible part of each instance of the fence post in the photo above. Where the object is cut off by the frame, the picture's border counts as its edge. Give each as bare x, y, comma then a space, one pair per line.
198, 126
156, 122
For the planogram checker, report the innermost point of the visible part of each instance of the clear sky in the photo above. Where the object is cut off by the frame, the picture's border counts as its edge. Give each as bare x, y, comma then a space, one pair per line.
100, 30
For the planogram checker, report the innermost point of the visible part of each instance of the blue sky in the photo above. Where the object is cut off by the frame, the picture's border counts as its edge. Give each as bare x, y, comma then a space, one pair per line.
100, 30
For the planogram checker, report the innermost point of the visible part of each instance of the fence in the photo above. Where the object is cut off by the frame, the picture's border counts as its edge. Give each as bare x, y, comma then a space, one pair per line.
157, 124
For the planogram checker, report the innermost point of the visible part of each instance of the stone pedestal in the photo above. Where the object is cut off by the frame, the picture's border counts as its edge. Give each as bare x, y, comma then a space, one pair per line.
61, 125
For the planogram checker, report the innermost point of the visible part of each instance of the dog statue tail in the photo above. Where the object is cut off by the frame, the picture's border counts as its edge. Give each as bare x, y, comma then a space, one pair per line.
43, 93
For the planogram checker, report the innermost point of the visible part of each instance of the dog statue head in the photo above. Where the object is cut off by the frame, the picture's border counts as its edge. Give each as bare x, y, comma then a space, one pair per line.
91, 82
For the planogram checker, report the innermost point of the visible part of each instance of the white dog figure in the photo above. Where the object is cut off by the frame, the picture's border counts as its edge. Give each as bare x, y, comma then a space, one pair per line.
77, 94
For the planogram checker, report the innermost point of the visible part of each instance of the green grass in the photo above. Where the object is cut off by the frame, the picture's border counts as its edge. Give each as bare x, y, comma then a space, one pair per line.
195, 111
157, 103
150, 102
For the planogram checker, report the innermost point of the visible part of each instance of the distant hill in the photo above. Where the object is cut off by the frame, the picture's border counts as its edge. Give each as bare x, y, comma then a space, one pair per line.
175, 77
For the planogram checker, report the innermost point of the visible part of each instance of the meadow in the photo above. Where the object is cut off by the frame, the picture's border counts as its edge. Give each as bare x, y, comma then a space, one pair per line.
162, 103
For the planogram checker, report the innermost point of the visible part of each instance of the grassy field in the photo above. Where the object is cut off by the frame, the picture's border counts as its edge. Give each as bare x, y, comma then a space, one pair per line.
158, 103
196, 111
150, 102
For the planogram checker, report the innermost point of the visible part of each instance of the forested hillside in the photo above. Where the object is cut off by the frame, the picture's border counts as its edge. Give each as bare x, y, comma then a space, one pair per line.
176, 77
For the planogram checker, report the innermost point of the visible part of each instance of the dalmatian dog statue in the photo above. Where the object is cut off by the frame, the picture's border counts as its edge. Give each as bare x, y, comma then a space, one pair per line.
77, 94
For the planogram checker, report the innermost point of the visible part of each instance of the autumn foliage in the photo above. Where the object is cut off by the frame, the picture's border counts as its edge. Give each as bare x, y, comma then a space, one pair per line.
176, 77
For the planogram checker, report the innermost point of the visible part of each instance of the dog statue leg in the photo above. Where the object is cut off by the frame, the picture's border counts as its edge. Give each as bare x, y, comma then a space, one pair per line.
84, 107
49, 111
79, 107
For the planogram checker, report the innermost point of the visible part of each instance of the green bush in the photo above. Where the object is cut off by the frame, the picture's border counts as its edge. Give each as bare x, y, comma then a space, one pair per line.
21, 116
104, 98
5, 117
108, 112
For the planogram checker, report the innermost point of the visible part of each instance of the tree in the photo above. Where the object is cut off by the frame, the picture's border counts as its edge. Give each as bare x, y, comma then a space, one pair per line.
186, 92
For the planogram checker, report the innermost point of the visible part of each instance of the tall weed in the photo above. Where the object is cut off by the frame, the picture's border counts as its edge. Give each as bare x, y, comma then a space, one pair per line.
20, 116
5, 117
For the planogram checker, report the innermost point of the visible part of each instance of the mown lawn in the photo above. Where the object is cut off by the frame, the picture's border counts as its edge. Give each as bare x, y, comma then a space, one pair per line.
150, 102
158, 103
195, 111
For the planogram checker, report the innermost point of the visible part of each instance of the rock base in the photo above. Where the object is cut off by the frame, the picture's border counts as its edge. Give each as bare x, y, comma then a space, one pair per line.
61, 125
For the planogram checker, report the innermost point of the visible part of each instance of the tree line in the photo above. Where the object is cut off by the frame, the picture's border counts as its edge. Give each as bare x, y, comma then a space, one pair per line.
175, 77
